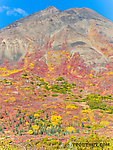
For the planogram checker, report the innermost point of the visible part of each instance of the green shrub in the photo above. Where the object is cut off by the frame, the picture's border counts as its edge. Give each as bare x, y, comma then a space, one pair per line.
54, 95
24, 74
60, 79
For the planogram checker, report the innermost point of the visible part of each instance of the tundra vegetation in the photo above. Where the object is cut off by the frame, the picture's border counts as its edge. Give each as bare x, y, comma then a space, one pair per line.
42, 107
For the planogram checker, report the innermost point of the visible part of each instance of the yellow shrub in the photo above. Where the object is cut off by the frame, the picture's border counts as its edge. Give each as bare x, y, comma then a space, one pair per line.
31, 65
84, 119
54, 123
35, 127
104, 123
27, 123
70, 129
75, 117
30, 132
12, 99
36, 115
49, 86
54, 112
55, 119
71, 106
6, 100
68, 112
85, 111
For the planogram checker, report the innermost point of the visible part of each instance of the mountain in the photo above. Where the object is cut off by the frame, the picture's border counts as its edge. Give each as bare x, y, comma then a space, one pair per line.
56, 81
81, 30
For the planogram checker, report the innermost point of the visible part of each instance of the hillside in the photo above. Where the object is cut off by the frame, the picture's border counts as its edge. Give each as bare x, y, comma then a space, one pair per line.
56, 81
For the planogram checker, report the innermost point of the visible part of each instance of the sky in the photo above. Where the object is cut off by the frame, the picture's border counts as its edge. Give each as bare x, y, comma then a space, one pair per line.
12, 10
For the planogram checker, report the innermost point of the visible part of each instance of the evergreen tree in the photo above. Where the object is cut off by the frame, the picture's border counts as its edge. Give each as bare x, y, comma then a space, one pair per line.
13, 130
0, 128
71, 124
4, 126
16, 130
77, 130
5, 112
9, 119
82, 125
1, 116
47, 116
20, 133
